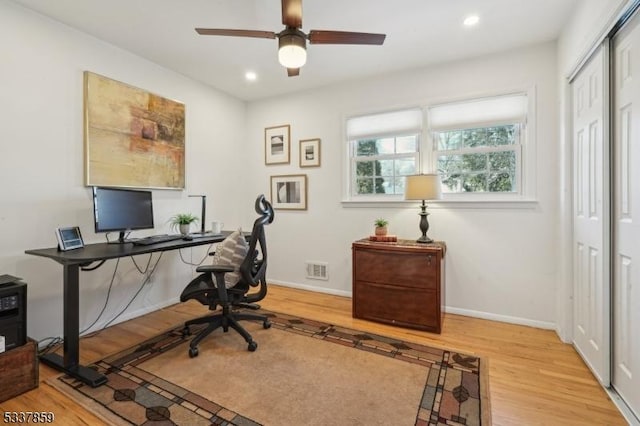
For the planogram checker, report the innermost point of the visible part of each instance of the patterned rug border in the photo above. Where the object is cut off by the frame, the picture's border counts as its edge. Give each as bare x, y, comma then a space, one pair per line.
165, 400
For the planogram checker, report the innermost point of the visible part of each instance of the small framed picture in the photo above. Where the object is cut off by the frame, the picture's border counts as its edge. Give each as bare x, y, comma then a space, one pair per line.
310, 153
69, 238
276, 145
289, 192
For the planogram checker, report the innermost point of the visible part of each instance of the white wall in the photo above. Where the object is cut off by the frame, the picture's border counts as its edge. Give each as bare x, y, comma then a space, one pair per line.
591, 20
501, 263
588, 23
41, 165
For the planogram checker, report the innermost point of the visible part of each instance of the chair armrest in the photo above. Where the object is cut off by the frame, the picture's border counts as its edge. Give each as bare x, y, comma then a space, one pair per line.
214, 268
218, 271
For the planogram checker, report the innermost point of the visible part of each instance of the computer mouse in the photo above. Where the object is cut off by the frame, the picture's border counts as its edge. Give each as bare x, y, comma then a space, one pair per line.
187, 238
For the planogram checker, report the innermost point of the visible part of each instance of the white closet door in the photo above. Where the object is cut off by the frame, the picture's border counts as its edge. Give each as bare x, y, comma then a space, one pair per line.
626, 215
591, 291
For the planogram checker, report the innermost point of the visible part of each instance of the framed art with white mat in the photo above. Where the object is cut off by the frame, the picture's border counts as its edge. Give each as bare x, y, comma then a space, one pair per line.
289, 192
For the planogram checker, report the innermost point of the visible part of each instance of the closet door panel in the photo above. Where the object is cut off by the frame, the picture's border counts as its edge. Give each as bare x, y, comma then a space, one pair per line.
626, 215
591, 334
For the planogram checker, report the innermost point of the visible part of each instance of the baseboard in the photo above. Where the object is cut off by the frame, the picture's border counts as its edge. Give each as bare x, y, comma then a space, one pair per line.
466, 312
564, 337
334, 292
325, 290
501, 318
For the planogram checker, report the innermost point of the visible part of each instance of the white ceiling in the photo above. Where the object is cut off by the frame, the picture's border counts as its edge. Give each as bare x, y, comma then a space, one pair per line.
419, 33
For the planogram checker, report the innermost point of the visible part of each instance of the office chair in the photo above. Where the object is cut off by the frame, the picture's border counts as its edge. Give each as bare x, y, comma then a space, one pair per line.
205, 288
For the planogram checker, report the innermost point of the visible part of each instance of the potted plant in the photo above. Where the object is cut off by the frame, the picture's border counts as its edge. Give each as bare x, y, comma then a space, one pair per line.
381, 226
182, 222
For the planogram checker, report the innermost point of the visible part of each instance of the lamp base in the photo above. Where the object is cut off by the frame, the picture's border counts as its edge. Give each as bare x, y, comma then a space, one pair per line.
424, 240
424, 225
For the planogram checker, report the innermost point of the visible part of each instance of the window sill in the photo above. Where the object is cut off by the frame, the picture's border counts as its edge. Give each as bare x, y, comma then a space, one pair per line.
519, 203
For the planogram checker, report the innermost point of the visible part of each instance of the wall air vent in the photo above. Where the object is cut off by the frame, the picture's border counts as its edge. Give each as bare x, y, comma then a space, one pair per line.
318, 270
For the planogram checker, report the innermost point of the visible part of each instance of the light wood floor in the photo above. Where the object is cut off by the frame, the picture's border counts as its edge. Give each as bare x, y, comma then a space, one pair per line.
535, 379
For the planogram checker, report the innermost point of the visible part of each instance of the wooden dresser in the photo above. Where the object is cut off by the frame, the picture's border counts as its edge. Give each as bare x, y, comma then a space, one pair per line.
399, 283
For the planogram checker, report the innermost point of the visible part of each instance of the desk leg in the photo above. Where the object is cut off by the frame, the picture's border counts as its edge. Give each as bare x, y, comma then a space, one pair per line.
70, 362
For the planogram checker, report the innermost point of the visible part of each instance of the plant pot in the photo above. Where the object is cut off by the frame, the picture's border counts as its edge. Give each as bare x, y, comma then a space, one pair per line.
184, 229
381, 231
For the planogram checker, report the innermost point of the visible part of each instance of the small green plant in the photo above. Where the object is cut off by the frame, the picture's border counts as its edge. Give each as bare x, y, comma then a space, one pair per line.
380, 223
182, 219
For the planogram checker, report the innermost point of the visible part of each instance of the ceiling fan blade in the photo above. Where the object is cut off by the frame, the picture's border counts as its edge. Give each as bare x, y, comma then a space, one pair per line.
292, 13
236, 33
344, 37
292, 72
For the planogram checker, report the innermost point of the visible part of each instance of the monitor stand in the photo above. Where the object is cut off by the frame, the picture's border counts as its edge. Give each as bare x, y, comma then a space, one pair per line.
120, 240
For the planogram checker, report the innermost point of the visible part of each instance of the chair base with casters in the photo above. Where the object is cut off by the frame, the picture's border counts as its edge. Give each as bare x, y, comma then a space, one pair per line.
209, 289
230, 300
225, 321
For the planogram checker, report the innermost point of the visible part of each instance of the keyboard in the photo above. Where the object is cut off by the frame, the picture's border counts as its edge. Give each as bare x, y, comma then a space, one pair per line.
156, 239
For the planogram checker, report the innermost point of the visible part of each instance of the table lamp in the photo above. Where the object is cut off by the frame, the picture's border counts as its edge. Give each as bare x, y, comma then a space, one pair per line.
423, 187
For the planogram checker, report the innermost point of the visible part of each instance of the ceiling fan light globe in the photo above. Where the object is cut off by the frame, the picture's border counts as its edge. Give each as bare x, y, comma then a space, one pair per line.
292, 56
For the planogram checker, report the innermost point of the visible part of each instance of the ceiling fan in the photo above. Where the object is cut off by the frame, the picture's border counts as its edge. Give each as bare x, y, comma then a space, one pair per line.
292, 42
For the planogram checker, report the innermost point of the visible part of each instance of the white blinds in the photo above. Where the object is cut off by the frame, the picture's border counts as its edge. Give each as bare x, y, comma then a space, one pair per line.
484, 112
385, 124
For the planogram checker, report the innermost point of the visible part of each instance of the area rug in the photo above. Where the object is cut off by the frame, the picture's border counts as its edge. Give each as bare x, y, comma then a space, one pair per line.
304, 372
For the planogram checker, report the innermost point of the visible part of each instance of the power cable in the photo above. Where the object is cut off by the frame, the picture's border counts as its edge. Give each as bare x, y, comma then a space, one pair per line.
195, 264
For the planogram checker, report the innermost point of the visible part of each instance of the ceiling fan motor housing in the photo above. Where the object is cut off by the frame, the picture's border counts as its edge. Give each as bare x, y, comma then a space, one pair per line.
292, 48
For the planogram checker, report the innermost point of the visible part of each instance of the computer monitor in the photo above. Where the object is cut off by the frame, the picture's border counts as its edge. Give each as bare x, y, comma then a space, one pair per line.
121, 210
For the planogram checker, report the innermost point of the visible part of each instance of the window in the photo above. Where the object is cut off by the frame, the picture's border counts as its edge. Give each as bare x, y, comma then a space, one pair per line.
478, 144
483, 149
383, 150
479, 160
381, 164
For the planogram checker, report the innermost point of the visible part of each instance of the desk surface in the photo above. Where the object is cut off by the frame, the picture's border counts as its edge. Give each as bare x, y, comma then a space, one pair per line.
103, 251
71, 262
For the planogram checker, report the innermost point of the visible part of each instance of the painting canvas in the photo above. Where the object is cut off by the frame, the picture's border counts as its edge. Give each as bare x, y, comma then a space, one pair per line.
276, 145
132, 138
289, 192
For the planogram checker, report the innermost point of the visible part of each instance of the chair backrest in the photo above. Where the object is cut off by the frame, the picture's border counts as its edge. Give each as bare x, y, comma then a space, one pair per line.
254, 267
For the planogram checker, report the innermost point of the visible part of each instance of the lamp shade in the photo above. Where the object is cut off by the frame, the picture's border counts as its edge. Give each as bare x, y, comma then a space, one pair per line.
423, 187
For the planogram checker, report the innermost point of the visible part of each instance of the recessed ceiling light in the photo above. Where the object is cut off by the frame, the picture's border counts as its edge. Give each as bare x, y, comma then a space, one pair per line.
250, 76
471, 20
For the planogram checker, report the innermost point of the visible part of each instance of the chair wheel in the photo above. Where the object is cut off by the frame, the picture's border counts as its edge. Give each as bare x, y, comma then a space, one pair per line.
266, 324
252, 346
186, 331
193, 352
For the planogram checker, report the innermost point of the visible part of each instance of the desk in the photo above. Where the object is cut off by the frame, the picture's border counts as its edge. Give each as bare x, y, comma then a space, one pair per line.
71, 262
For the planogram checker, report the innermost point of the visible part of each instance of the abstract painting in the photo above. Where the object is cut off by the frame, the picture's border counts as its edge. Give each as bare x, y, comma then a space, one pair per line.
132, 138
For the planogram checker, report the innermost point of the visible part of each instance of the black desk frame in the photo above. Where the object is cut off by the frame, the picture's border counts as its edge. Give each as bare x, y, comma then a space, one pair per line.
71, 262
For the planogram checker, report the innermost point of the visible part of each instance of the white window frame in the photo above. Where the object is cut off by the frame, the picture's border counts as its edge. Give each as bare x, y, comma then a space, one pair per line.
354, 160
517, 148
526, 156
416, 129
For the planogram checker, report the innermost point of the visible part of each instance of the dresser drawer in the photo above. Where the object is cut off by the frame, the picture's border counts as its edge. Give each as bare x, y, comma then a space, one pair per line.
403, 306
402, 268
